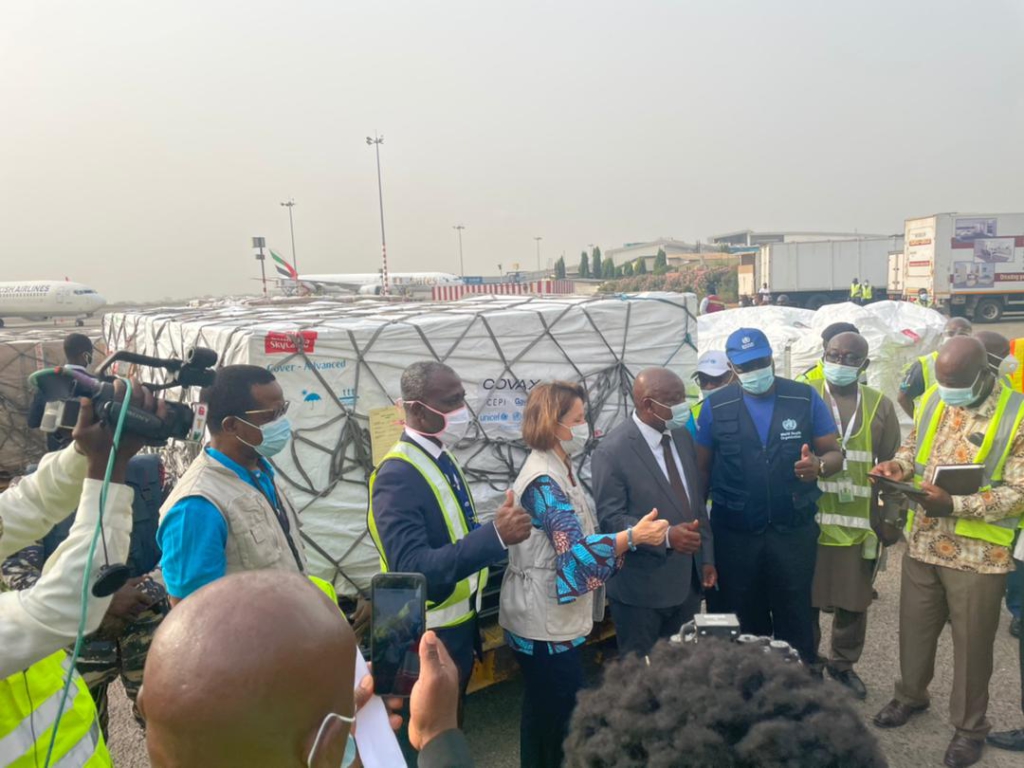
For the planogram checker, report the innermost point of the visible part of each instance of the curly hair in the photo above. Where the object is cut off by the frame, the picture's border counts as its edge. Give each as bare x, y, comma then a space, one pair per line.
716, 704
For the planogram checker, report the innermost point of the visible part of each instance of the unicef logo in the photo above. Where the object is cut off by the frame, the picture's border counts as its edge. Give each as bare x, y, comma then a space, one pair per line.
789, 425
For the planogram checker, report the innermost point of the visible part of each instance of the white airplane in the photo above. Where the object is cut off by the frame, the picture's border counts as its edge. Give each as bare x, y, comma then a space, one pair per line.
365, 283
43, 299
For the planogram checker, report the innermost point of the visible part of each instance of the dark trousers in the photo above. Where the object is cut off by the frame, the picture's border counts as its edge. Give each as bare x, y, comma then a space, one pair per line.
1015, 591
1020, 571
638, 629
765, 578
552, 681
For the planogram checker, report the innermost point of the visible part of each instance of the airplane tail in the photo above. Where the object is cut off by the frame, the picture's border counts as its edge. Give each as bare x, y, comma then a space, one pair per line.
284, 269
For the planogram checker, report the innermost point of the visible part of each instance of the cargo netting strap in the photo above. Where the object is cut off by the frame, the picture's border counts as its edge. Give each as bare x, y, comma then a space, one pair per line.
609, 389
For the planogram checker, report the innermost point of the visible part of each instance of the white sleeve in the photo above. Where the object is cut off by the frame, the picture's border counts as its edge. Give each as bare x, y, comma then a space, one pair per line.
44, 618
41, 500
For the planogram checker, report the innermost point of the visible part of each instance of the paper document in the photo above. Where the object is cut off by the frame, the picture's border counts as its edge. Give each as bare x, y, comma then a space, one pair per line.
378, 747
386, 426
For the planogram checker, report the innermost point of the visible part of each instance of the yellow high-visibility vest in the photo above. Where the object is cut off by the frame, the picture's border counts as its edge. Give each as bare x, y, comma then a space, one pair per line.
848, 524
994, 450
1017, 378
855, 290
29, 702
464, 601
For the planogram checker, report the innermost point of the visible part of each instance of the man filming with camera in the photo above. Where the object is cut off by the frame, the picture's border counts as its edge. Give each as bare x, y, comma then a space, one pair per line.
36, 623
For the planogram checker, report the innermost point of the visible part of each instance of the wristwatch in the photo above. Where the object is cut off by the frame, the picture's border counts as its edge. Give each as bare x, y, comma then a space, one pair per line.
821, 466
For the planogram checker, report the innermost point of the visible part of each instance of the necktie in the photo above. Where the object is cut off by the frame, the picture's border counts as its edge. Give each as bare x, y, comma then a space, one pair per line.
673, 476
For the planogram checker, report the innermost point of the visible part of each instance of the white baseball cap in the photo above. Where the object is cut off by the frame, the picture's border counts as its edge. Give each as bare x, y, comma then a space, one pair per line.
713, 363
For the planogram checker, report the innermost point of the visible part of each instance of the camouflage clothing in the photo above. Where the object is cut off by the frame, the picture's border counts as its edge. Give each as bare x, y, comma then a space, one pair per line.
102, 659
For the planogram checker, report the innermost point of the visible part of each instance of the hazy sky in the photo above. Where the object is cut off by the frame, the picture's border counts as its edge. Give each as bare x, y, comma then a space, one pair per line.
142, 144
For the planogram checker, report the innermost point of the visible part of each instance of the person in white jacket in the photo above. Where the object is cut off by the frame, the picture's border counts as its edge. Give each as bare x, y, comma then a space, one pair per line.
44, 618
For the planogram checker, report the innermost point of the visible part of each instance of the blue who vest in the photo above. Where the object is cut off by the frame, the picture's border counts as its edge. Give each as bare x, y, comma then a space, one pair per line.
754, 486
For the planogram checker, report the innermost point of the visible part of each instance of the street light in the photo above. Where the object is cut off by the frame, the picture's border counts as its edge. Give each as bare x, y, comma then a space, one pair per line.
291, 228
462, 268
261, 243
376, 141
538, 239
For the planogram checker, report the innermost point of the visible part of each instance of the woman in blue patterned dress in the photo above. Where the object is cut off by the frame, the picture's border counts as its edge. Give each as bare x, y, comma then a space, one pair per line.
554, 584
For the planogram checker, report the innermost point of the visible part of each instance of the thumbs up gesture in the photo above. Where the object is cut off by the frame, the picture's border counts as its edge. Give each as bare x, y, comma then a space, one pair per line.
512, 522
650, 530
807, 468
685, 537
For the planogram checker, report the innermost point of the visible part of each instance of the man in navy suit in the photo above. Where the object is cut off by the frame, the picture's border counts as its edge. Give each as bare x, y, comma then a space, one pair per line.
422, 517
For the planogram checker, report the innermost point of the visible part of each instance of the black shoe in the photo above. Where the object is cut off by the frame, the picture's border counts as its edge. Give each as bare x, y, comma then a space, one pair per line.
896, 714
1011, 740
817, 670
851, 680
1015, 627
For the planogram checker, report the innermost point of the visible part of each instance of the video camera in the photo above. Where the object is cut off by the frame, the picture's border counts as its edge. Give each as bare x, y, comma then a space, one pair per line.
63, 386
726, 626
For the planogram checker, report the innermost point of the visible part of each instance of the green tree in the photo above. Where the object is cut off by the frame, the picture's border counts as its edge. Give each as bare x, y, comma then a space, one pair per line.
608, 269
660, 262
584, 271
596, 266
560, 268
627, 269
641, 266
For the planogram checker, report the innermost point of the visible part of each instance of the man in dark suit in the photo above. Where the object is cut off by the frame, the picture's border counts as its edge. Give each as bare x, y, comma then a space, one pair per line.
649, 462
422, 517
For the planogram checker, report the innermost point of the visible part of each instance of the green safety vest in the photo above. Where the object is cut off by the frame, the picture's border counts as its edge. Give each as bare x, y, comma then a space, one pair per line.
855, 290
813, 375
848, 524
992, 454
463, 603
29, 702
867, 292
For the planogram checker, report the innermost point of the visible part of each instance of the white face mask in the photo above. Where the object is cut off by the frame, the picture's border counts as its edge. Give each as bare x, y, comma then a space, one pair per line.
579, 439
1006, 367
456, 425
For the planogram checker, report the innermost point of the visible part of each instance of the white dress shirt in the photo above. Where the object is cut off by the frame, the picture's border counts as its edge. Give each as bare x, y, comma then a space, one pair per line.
434, 451
44, 618
653, 439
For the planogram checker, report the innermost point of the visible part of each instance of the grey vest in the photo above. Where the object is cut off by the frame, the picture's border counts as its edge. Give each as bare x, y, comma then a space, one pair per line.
256, 540
529, 605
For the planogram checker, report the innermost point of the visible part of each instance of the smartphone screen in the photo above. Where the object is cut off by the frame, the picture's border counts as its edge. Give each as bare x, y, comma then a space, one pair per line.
397, 624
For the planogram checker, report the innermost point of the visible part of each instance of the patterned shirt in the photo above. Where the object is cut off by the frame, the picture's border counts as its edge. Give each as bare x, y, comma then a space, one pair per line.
933, 540
582, 563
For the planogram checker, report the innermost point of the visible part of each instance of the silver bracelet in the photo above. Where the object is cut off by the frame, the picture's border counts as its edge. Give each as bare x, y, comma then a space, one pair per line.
629, 539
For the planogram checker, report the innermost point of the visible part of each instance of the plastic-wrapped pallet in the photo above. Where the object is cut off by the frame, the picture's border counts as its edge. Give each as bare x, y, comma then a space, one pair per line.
341, 363
897, 332
22, 353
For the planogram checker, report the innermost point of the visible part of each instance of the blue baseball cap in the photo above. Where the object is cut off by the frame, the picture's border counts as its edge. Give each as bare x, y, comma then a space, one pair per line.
746, 344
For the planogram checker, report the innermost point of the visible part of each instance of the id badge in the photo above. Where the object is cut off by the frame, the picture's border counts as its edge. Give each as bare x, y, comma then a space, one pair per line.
845, 490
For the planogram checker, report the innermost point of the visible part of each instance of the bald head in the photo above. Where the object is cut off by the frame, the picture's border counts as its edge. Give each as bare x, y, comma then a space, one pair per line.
997, 346
244, 671
848, 345
655, 391
961, 361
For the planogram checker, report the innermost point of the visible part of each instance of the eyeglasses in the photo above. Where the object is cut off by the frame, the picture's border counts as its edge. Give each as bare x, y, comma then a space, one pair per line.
278, 412
851, 359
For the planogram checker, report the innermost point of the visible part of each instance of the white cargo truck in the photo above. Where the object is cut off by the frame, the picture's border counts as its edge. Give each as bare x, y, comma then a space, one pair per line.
817, 273
971, 264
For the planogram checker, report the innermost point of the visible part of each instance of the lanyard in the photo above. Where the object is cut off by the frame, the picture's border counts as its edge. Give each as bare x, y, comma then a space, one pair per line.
839, 420
282, 519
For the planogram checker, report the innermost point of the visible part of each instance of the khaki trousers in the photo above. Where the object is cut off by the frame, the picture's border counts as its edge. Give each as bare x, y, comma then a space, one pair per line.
928, 595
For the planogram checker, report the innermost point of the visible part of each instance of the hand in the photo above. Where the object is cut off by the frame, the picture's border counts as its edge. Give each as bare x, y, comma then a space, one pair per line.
710, 577
936, 502
684, 537
807, 468
95, 439
361, 617
434, 703
513, 523
129, 601
650, 530
891, 469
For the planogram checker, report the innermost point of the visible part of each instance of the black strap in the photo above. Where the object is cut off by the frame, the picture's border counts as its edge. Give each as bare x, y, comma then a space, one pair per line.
282, 519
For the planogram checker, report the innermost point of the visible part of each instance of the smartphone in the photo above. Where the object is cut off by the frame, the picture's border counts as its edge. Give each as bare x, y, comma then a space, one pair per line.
398, 621
907, 489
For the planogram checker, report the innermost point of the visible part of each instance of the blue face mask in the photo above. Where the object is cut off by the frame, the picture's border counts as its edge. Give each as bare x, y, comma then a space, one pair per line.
757, 382
841, 375
680, 414
276, 435
350, 745
957, 397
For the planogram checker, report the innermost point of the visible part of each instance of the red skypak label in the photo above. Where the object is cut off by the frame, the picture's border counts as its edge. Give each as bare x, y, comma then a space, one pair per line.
277, 343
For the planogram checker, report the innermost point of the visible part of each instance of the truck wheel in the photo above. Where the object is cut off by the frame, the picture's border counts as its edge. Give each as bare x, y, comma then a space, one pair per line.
817, 301
988, 310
